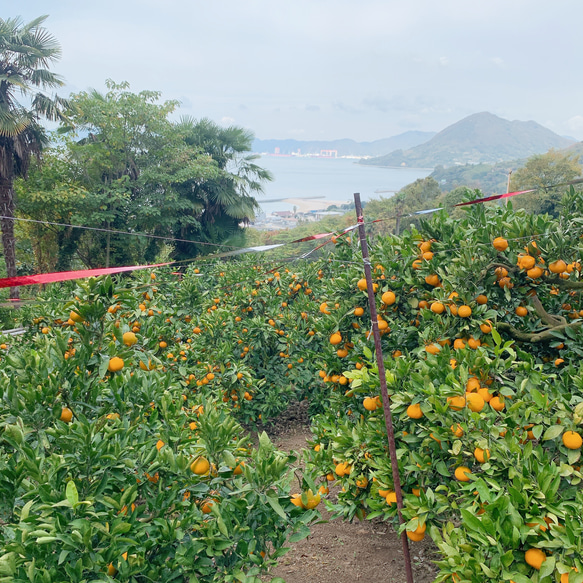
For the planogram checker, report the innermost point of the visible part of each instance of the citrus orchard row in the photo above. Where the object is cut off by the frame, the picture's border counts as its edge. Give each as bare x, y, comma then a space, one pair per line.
129, 391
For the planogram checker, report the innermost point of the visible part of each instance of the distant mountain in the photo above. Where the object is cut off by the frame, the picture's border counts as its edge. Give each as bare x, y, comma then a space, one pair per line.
344, 147
478, 138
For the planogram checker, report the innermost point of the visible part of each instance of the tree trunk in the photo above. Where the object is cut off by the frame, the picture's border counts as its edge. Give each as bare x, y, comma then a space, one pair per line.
7, 224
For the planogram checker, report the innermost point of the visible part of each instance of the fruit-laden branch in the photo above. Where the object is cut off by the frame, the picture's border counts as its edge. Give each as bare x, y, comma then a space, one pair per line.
556, 324
556, 281
544, 336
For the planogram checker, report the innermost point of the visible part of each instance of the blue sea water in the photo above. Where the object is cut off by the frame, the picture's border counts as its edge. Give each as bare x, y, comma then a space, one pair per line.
334, 179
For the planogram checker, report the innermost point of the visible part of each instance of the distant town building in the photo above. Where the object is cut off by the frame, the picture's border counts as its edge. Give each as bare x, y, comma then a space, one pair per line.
329, 153
276, 151
283, 214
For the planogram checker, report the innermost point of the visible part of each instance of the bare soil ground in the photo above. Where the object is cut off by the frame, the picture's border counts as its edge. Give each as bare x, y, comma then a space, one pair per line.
338, 551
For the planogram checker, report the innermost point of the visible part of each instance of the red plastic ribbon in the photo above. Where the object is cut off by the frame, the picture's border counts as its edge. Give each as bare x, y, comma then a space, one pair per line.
495, 197
66, 275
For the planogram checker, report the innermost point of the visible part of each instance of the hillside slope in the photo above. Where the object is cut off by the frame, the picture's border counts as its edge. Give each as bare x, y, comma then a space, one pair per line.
478, 138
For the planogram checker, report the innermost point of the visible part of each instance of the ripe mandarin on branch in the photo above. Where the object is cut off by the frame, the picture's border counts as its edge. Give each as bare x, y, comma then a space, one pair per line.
200, 466
500, 244
572, 440
535, 558
129, 338
66, 415
115, 364
464, 311
414, 411
463, 473
388, 298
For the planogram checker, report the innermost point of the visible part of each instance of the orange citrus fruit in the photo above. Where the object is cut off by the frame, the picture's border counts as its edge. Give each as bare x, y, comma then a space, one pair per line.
66, 415
572, 440
535, 558
200, 466
115, 364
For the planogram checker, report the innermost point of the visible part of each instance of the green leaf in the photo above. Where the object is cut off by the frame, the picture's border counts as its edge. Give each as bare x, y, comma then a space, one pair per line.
483, 490
302, 533
26, 510
229, 459
489, 573
471, 521
264, 441
498, 341
30, 570
71, 493
274, 503
280, 552
537, 431
103, 366
573, 455
121, 528
538, 398
222, 526
516, 577
507, 558
553, 432
547, 567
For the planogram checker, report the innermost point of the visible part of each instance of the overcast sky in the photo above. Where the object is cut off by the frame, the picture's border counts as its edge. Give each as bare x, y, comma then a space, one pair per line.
326, 69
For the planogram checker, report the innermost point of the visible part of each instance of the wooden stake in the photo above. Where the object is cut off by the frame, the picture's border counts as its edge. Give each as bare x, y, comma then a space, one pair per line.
383, 382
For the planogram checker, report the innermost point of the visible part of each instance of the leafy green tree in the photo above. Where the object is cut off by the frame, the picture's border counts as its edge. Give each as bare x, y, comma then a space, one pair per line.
223, 204
26, 52
52, 193
543, 171
134, 163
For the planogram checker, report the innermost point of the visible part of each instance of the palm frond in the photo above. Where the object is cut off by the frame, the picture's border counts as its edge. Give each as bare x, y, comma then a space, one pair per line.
44, 78
52, 109
13, 123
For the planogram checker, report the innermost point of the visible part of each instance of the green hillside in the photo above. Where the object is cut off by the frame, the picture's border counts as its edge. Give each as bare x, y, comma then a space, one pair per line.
477, 139
489, 178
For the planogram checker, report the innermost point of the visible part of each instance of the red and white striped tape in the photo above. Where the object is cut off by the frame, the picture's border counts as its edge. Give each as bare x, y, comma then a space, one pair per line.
67, 275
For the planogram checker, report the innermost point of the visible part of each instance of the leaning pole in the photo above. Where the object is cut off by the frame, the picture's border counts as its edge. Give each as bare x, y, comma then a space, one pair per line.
383, 382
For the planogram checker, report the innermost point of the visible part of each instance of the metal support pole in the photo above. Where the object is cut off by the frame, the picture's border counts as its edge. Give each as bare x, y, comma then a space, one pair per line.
383, 382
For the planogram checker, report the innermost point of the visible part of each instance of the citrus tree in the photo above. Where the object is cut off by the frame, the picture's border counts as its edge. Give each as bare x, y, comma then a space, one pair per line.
123, 406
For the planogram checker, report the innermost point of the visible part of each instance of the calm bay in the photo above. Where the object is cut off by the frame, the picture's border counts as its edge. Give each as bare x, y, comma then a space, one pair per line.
329, 179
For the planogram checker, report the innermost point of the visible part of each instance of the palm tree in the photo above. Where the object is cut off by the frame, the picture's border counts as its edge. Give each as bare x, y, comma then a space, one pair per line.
228, 200
26, 52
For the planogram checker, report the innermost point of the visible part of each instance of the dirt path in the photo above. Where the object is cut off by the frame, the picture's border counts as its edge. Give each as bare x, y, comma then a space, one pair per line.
341, 552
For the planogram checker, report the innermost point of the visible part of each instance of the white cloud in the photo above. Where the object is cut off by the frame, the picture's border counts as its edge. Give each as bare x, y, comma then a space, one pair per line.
227, 121
280, 59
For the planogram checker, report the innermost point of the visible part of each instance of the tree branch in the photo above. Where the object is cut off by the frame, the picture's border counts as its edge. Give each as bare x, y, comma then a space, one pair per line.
563, 283
549, 319
544, 336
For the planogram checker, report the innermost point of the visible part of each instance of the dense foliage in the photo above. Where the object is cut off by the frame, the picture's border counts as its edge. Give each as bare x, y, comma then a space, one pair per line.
125, 166
121, 407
